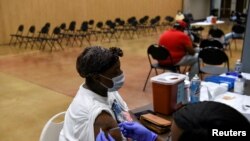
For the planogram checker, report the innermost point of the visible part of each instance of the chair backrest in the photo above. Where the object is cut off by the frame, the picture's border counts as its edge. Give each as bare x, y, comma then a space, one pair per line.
131, 19
213, 56
108, 22
52, 129
72, 26
63, 26
158, 52
216, 32
239, 29
84, 26
143, 20
99, 25
169, 19
44, 32
56, 32
211, 43
31, 31
91, 22
20, 29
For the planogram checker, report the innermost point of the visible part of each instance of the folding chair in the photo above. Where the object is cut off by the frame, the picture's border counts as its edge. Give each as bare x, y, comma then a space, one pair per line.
120, 26
212, 61
218, 34
52, 39
98, 31
238, 29
110, 31
29, 38
70, 34
130, 27
83, 33
52, 129
153, 25
156, 52
91, 24
169, 20
142, 24
16, 38
42, 37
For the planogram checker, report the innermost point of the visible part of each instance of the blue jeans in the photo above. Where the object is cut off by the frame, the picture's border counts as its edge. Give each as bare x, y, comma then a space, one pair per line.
190, 60
230, 35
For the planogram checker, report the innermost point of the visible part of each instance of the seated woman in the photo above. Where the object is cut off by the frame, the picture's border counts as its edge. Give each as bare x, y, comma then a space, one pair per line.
238, 31
97, 104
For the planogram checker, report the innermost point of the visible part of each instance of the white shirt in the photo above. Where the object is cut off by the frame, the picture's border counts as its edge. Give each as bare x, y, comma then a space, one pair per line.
82, 112
179, 17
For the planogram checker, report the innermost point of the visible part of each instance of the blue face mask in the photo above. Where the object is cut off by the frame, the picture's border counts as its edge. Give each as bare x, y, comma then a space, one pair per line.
118, 82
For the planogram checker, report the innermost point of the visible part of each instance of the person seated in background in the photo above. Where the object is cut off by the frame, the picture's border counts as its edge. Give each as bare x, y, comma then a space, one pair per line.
179, 15
97, 104
203, 121
192, 31
238, 31
233, 16
180, 47
216, 34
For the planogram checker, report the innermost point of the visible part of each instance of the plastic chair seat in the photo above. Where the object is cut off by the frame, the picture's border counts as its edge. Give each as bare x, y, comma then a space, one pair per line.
52, 129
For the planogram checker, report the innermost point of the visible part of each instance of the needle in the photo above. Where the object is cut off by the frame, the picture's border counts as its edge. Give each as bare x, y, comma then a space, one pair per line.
112, 129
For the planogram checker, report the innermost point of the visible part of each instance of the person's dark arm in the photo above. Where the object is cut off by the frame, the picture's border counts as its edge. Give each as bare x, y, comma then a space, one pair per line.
106, 122
190, 50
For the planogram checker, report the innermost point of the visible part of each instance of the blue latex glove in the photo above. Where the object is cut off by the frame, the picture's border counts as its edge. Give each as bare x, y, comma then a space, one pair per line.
101, 137
136, 131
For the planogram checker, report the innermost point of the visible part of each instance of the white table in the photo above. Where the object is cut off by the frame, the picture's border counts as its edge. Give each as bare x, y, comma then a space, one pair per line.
205, 23
238, 101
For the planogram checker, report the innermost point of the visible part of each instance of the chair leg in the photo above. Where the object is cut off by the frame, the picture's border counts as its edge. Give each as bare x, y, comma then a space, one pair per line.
156, 72
147, 79
230, 51
10, 40
235, 43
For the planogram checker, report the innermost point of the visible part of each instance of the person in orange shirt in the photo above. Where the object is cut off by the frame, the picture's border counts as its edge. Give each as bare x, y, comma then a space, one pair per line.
180, 47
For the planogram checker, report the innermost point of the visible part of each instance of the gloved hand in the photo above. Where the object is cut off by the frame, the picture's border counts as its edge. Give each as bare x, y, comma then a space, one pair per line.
136, 131
101, 137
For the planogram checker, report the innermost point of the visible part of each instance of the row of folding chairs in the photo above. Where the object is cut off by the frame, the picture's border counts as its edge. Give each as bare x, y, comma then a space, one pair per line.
115, 29
88, 31
40, 39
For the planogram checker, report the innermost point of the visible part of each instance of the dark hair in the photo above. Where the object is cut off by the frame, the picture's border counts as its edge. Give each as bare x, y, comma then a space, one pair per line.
198, 120
95, 59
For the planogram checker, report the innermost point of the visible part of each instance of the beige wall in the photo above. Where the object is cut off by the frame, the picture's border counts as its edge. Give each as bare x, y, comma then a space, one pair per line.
38, 12
199, 8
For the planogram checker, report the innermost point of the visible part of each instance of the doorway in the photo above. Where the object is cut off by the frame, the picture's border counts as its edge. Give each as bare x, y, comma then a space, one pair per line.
225, 8
241, 5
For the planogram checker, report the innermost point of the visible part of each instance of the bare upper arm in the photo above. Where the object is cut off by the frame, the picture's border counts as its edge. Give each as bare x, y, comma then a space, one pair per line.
105, 122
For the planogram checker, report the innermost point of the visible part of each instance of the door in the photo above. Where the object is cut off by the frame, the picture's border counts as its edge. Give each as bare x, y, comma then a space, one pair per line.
225, 8
240, 5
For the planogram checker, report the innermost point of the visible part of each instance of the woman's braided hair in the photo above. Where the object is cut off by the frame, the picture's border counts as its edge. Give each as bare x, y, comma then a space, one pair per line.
96, 59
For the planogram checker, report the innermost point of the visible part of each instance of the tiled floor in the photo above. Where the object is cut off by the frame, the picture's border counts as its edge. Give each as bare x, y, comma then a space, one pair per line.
35, 85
